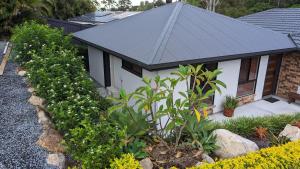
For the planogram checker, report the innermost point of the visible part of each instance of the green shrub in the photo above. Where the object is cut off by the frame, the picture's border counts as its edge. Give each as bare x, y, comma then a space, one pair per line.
57, 73
94, 145
285, 156
31, 37
126, 161
245, 126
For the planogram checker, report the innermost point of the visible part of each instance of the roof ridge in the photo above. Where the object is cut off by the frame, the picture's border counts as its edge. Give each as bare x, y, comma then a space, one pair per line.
165, 34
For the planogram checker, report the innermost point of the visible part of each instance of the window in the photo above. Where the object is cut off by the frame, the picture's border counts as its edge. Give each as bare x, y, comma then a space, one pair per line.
133, 68
248, 75
210, 67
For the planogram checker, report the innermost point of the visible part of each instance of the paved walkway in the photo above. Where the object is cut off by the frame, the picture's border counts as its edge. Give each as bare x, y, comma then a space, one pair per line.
260, 108
19, 127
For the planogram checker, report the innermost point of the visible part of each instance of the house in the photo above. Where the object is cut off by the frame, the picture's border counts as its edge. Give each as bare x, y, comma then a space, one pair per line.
101, 17
88, 20
157, 41
287, 22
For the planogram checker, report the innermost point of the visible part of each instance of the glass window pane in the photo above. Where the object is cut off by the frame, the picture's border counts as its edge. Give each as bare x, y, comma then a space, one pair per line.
244, 70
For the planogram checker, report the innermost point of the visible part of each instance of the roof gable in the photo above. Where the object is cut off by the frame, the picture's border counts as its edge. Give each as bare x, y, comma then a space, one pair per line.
178, 32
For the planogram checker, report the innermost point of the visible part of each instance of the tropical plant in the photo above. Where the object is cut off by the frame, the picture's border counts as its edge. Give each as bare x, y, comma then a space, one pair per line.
276, 141
261, 132
199, 134
134, 124
176, 110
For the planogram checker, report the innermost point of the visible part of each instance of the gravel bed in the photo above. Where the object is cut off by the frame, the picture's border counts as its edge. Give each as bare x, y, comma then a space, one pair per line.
19, 127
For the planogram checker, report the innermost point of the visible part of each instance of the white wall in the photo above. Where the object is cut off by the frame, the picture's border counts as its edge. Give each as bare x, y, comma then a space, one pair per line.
96, 65
261, 77
121, 78
230, 76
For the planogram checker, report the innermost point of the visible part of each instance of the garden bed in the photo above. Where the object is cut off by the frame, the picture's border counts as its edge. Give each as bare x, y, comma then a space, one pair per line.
97, 133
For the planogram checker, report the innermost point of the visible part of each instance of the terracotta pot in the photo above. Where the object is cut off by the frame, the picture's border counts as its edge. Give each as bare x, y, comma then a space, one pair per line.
228, 112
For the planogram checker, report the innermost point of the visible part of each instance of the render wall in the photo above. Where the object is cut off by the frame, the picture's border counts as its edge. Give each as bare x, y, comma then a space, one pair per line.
261, 76
230, 76
289, 77
121, 78
96, 65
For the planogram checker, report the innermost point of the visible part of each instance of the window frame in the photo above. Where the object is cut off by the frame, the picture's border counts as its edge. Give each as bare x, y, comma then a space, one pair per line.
248, 76
129, 66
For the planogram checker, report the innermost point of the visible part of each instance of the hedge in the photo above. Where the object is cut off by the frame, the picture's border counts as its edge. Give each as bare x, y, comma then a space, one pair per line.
56, 71
285, 156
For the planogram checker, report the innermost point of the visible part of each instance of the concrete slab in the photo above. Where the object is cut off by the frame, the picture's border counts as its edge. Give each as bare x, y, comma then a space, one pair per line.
258, 109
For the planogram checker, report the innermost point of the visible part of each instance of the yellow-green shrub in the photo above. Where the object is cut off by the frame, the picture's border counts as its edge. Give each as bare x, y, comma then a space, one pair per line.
127, 161
285, 156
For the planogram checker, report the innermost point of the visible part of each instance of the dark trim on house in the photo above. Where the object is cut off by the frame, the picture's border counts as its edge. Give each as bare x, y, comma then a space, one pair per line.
132, 68
277, 72
187, 62
106, 64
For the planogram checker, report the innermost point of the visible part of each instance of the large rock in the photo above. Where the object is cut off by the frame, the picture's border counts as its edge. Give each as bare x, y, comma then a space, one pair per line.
291, 132
36, 101
22, 73
51, 140
206, 158
232, 145
146, 163
57, 160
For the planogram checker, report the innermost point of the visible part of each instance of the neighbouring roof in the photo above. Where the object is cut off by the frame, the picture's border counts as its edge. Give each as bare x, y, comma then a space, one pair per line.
180, 33
100, 17
284, 20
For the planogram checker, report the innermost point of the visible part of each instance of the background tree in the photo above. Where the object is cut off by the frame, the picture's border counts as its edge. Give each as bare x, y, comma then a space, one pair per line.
109, 4
124, 5
13, 12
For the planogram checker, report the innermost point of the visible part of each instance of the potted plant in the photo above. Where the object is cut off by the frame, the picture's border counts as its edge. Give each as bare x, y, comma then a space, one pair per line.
230, 104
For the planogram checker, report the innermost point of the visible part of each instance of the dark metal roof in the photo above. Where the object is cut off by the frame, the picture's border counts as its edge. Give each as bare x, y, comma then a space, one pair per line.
179, 33
284, 20
103, 16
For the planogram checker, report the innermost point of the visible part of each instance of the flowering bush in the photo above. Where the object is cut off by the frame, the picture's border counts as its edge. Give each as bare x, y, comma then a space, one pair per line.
31, 36
126, 161
57, 73
285, 156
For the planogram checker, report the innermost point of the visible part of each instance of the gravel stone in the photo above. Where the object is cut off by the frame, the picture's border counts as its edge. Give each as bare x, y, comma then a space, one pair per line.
19, 127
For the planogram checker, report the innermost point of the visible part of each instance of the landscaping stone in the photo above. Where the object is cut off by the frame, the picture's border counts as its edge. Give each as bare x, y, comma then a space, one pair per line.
146, 163
31, 90
57, 159
22, 73
206, 158
199, 163
232, 145
291, 132
36, 101
43, 119
51, 140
